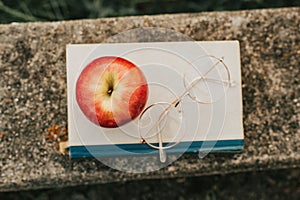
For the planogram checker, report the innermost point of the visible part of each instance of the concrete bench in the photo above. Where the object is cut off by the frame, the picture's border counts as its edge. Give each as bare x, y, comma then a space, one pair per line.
33, 95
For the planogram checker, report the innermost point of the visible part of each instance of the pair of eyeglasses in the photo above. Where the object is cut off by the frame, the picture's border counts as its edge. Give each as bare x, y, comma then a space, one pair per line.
207, 88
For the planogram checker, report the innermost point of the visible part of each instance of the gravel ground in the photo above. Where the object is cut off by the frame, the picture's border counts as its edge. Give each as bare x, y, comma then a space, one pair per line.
280, 184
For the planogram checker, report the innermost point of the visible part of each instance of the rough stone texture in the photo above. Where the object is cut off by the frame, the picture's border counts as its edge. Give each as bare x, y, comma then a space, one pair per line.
266, 185
33, 95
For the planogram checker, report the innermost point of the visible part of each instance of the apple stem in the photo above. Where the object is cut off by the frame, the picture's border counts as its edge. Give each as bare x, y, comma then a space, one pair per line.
109, 92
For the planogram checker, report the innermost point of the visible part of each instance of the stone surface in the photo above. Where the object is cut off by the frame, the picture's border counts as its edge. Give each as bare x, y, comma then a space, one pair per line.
33, 95
266, 185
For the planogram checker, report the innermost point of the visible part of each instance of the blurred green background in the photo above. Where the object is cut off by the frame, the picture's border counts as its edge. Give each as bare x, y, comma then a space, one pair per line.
52, 10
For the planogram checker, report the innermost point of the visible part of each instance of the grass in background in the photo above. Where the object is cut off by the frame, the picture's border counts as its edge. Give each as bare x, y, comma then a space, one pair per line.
52, 10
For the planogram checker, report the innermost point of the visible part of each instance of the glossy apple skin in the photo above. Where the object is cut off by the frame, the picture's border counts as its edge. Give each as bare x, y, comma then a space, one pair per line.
111, 91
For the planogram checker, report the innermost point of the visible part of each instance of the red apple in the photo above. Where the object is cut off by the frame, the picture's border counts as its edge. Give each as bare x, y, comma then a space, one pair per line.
111, 91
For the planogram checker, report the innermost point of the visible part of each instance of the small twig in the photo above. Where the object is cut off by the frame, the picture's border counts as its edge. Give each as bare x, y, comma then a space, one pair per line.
58, 137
